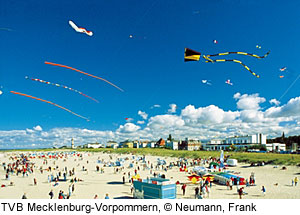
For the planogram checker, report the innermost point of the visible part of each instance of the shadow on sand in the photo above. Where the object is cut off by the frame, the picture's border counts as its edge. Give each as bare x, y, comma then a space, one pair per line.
115, 182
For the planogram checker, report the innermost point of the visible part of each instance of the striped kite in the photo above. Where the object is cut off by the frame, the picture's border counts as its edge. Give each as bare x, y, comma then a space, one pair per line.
63, 86
42, 100
80, 30
191, 55
77, 70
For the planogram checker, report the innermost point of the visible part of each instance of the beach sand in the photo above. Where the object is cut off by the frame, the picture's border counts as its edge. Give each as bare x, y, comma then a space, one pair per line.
278, 182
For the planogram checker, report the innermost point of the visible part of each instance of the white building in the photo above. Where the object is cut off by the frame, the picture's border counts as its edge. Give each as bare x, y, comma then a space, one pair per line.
249, 139
237, 141
275, 147
94, 145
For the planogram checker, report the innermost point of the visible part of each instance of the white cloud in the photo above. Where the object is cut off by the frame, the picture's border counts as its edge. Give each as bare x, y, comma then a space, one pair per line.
172, 108
155, 106
194, 122
274, 102
248, 102
209, 114
165, 121
292, 108
143, 114
37, 128
128, 128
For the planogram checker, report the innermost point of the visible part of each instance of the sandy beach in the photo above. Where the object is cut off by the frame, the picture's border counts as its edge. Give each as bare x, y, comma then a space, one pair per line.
278, 182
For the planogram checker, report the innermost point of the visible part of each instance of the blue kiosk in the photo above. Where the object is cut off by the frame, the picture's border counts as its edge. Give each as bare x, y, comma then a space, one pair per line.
154, 188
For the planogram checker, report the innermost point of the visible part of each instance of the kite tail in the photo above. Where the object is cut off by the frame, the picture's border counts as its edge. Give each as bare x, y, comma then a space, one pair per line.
42, 100
89, 97
239, 53
235, 61
77, 70
62, 86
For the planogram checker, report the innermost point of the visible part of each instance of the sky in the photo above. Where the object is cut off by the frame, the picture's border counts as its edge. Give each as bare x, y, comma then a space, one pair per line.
139, 46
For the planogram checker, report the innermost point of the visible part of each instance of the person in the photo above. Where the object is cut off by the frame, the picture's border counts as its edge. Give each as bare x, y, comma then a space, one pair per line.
207, 190
296, 181
34, 182
196, 192
51, 194
183, 187
292, 182
106, 196
131, 188
24, 196
123, 179
96, 196
263, 189
240, 191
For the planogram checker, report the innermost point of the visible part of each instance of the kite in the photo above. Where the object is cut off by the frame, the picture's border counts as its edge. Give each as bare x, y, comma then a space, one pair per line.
42, 100
1, 92
258, 46
63, 86
281, 76
130, 36
206, 82
77, 70
215, 41
191, 55
228, 82
282, 69
80, 30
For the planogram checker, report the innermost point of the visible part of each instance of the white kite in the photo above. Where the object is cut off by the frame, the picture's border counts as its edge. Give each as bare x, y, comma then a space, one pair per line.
228, 82
80, 30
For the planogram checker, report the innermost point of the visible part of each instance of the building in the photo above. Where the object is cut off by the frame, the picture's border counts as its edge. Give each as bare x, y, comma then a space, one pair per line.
275, 147
190, 145
160, 143
172, 144
111, 144
126, 144
249, 139
236, 141
94, 145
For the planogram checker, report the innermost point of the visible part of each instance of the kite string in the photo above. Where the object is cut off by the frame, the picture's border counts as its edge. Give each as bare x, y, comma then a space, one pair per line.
287, 90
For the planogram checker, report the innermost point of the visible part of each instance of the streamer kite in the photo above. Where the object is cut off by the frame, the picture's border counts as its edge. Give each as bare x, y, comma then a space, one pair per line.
42, 100
191, 55
63, 86
77, 70
80, 30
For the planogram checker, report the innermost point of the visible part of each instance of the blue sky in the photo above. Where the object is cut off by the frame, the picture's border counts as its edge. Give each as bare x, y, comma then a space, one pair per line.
149, 67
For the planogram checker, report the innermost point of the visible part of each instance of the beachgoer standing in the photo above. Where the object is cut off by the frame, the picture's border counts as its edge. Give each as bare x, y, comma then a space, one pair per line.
51, 194
263, 189
24, 196
183, 187
196, 192
296, 181
106, 196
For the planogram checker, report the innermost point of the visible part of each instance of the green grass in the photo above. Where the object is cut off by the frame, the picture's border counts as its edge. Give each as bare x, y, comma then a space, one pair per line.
276, 159
284, 159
